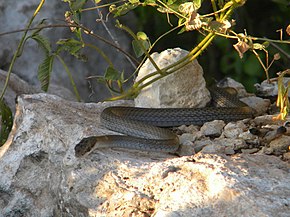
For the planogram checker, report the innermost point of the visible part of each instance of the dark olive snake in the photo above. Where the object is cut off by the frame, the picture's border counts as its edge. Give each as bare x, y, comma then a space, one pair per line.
143, 126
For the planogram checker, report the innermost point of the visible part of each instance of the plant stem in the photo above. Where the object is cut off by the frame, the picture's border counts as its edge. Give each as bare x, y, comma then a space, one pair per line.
19, 48
70, 78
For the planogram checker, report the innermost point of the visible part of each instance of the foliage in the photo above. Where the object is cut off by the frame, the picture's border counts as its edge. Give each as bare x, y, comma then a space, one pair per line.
6, 119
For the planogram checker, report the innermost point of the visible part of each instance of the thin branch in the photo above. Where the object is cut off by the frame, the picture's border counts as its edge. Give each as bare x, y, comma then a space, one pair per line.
88, 31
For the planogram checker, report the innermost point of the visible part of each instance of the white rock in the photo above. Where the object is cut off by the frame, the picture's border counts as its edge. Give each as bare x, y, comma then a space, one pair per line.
213, 128
187, 137
234, 144
184, 88
233, 130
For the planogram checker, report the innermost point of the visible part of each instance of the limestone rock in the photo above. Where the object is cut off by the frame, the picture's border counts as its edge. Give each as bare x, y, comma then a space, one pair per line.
213, 128
40, 175
184, 88
233, 130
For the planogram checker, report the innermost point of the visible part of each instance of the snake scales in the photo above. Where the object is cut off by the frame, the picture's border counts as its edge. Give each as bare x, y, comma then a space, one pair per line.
142, 126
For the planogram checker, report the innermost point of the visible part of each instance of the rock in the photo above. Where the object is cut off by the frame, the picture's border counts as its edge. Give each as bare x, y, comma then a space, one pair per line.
234, 144
268, 119
249, 151
286, 156
189, 89
213, 128
280, 145
233, 130
187, 137
41, 176
202, 144
260, 106
229, 82
16, 14
189, 129
270, 89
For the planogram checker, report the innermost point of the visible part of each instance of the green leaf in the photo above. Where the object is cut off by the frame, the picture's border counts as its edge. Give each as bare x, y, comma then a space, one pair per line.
123, 9
6, 122
77, 4
42, 42
142, 36
73, 47
44, 72
138, 47
112, 74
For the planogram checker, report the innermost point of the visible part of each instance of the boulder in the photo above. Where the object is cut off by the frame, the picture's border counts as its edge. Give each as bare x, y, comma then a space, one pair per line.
41, 176
185, 88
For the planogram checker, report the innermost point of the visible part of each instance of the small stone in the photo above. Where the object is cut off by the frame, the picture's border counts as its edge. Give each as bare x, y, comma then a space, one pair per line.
199, 145
235, 144
233, 130
280, 145
286, 156
249, 151
229, 151
266, 150
188, 129
185, 137
186, 149
213, 149
247, 136
213, 128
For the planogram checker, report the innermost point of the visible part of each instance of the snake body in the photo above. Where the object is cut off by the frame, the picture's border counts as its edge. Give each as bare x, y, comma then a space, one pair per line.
142, 126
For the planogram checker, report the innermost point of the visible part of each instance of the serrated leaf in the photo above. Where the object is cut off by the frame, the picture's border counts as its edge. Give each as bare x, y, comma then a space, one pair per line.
44, 72
73, 47
42, 42
6, 122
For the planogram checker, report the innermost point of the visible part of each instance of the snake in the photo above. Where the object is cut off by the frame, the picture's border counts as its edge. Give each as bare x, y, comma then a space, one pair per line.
146, 129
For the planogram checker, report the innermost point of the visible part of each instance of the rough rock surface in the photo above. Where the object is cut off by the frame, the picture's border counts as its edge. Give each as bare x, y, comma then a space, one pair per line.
40, 175
185, 88
15, 15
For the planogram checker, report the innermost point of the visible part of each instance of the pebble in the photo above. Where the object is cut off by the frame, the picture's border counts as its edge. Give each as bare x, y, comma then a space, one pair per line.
249, 151
233, 130
280, 145
213, 128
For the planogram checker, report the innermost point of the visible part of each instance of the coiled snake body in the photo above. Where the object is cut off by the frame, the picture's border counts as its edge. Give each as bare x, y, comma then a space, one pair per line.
142, 126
